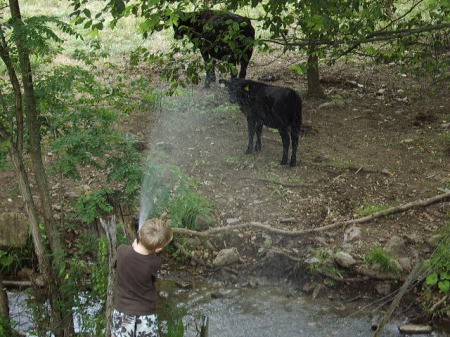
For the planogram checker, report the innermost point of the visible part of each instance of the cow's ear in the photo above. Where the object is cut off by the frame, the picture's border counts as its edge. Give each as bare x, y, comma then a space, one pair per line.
247, 87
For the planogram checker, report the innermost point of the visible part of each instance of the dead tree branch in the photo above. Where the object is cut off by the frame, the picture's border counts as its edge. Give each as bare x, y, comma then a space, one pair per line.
259, 226
411, 277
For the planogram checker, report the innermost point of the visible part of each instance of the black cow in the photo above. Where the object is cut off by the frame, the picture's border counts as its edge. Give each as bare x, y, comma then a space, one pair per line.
275, 107
217, 36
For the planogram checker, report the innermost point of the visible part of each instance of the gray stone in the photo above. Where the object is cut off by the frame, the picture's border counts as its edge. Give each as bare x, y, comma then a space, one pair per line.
383, 288
13, 230
347, 247
352, 234
414, 329
344, 259
405, 262
233, 221
327, 105
226, 257
396, 245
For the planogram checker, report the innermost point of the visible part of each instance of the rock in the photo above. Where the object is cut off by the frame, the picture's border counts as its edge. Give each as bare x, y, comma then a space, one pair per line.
383, 288
414, 328
352, 233
327, 105
434, 240
347, 247
319, 291
396, 245
405, 262
13, 230
233, 221
288, 220
344, 259
226, 257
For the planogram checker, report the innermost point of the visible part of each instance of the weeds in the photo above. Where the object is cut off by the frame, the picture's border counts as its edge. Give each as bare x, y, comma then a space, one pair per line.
436, 288
377, 256
370, 209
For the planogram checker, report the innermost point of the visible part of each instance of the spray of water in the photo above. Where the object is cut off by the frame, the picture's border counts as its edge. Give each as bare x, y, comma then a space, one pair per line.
178, 120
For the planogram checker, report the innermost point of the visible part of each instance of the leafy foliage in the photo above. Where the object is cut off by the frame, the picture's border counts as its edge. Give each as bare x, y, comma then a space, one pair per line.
414, 32
436, 288
14, 259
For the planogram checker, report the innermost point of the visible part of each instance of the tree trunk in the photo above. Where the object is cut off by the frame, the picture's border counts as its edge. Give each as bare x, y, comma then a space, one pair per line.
5, 320
111, 234
61, 304
314, 88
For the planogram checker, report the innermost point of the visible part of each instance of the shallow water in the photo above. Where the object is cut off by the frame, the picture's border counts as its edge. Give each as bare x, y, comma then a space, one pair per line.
267, 311
277, 312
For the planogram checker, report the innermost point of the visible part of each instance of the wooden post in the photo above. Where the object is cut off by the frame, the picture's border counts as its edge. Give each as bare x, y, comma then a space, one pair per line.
111, 235
204, 331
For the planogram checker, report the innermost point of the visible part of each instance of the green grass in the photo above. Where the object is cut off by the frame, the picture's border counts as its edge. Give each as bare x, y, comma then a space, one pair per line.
377, 256
369, 209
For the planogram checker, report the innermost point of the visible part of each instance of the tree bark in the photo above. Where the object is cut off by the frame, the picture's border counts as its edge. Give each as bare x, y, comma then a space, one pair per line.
60, 304
4, 308
314, 88
111, 234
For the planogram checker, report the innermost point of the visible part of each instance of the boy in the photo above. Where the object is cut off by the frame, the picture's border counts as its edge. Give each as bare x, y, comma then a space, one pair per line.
137, 268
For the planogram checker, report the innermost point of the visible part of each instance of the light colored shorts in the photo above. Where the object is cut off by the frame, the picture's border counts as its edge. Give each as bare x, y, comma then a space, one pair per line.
134, 326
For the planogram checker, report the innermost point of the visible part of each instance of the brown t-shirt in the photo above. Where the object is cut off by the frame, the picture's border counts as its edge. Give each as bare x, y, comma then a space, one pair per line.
135, 292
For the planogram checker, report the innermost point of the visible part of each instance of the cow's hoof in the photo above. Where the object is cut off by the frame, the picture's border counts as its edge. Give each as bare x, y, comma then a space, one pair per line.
292, 164
283, 162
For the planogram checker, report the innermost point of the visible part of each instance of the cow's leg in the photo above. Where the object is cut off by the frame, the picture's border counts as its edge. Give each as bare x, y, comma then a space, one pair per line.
243, 70
294, 139
251, 124
259, 127
244, 61
210, 71
285, 139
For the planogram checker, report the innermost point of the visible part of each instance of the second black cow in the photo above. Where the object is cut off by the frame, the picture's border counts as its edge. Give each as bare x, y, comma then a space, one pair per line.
275, 107
218, 35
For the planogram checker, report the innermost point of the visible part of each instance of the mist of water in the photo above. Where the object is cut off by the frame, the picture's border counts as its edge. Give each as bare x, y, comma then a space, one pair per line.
179, 118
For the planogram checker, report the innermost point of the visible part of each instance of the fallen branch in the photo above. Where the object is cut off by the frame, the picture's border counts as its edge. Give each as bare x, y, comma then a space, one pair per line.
438, 304
411, 277
257, 225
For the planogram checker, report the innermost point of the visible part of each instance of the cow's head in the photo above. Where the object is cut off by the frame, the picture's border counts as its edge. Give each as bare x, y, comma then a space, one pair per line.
238, 90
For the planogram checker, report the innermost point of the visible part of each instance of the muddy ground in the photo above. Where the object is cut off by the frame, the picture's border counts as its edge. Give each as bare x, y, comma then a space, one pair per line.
384, 140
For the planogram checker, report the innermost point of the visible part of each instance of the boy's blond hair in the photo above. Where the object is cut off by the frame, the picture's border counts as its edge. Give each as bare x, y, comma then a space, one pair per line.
155, 233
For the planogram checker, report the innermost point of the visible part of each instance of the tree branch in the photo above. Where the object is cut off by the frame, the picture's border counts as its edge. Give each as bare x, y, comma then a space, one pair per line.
257, 225
373, 37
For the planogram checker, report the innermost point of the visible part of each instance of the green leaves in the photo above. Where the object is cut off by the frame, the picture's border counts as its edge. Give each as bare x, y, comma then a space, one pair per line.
441, 280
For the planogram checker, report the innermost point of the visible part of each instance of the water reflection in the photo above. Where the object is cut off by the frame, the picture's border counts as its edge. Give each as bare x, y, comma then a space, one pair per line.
251, 312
